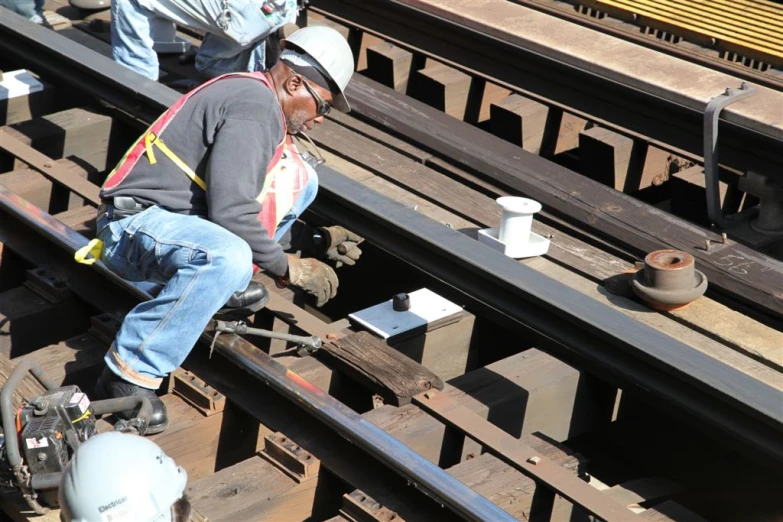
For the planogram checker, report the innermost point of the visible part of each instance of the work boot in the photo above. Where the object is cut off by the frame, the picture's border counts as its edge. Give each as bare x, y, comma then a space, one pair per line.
111, 386
247, 302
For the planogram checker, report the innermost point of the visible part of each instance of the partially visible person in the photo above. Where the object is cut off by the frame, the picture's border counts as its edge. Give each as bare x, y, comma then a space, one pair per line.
238, 32
122, 477
30, 9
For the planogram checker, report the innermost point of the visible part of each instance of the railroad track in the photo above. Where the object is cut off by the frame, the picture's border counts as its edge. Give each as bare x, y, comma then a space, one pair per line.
259, 417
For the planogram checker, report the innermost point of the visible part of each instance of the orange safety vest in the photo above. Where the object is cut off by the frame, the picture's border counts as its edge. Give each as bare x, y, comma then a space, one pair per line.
286, 174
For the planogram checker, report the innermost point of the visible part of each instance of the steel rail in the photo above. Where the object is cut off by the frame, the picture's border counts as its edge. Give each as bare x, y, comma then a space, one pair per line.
583, 89
421, 473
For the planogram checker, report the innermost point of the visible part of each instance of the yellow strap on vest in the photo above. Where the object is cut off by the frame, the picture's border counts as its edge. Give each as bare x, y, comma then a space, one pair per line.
150, 139
94, 248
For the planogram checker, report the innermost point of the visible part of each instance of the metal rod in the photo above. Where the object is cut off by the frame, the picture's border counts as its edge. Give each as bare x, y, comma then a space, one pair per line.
241, 328
711, 174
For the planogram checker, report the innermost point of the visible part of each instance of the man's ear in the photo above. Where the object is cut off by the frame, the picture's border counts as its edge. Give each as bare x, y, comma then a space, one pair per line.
292, 84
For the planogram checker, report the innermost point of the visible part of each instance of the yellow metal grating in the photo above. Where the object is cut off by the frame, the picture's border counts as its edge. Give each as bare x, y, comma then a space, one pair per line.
753, 28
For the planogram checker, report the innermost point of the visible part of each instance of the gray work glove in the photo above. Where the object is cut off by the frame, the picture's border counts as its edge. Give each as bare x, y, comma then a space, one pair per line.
314, 277
343, 245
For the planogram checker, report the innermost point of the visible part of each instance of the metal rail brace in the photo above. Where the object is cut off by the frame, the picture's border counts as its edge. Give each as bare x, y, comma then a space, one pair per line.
712, 179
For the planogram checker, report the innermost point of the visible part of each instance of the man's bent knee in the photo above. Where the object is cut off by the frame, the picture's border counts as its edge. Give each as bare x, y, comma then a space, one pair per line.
236, 261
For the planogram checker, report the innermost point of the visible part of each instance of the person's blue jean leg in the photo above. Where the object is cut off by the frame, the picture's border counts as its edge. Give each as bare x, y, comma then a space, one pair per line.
303, 200
30, 9
131, 37
201, 265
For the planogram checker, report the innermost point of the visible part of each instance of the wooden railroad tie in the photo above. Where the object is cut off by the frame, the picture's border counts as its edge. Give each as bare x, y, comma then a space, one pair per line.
387, 372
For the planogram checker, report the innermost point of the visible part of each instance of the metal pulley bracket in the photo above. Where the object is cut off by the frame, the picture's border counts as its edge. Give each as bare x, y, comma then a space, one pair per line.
711, 119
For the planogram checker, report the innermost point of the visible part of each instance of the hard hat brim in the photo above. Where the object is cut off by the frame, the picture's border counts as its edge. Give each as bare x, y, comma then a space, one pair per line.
339, 101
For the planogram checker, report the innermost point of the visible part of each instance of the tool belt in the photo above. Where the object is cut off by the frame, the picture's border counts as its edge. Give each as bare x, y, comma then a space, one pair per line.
120, 208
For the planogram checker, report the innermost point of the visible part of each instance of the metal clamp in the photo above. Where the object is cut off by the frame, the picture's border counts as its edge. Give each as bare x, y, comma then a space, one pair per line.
711, 117
306, 344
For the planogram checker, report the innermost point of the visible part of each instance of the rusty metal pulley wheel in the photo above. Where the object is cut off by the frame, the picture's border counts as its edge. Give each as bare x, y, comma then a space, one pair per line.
669, 280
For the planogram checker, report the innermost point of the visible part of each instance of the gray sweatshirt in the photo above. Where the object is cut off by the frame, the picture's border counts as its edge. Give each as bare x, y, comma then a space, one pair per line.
226, 133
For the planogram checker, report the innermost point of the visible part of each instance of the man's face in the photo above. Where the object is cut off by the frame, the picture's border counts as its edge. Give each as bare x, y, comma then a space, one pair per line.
306, 99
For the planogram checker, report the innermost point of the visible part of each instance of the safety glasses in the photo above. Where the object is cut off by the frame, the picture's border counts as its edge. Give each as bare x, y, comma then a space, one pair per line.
322, 107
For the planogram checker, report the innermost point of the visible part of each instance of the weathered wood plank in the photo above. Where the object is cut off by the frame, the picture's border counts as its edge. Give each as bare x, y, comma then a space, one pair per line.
605, 156
520, 121
505, 486
28, 106
81, 219
688, 195
37, 189
24, 312
28, 388
391, 374
389, 65
78, 133
523, 394
252, 490
442, 87
73, 361
670, 511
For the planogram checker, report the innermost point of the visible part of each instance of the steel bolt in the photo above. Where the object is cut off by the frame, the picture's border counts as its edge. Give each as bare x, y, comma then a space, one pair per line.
41, 457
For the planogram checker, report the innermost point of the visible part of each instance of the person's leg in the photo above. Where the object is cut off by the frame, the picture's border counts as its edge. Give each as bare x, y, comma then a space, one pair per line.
30, 9
201, 264
218, 55
131, 37
303, 200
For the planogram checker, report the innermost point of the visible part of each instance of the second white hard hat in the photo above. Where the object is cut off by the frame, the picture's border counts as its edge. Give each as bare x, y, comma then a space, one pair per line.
332, 53
120, 477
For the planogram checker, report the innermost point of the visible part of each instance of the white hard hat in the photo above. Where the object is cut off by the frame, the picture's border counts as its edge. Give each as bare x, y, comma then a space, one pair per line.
120, 477
331, 52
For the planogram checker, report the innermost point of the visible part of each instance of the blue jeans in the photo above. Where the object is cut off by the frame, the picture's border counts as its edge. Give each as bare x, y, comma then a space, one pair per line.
200, 264
30, 9
234, 43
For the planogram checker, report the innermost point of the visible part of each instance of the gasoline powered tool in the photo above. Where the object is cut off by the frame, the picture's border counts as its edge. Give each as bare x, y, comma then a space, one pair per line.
39, 437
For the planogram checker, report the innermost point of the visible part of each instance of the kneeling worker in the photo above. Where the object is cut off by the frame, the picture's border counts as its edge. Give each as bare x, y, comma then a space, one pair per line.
206, 196
122, 477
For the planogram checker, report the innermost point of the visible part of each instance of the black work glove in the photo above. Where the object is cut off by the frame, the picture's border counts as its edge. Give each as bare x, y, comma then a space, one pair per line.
314, 277
342, 245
